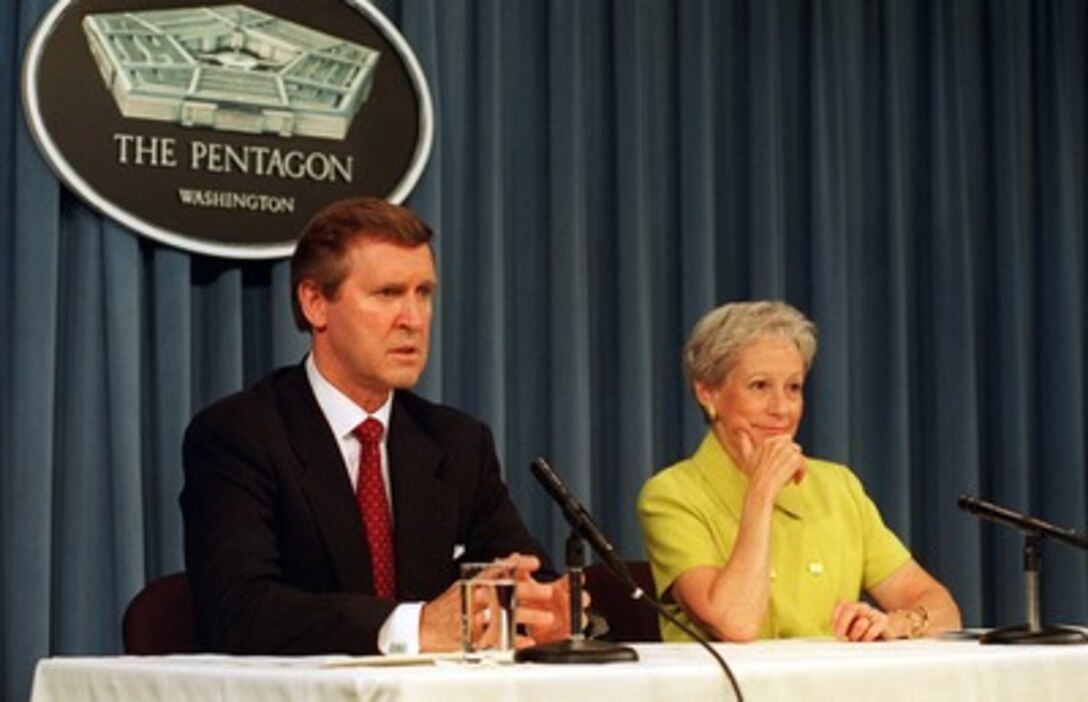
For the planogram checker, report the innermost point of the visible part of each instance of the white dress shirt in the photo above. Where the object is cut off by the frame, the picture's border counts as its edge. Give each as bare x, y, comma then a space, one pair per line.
400, 632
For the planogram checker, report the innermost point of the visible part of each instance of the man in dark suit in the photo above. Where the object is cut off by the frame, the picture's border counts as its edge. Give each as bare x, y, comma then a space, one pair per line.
280, 511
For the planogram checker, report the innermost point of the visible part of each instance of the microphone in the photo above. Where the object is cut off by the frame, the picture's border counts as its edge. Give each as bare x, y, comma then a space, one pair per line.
580, 520
1032, 525
1032, 632
577, 649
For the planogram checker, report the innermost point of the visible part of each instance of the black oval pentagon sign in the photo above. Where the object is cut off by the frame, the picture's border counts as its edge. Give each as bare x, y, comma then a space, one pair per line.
222, 127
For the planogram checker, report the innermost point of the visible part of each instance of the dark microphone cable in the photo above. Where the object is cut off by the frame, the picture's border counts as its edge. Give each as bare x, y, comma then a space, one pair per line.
581, 521
637, 593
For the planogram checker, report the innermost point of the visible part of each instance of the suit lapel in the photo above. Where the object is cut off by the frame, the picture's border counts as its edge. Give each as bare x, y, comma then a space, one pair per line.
424, 508
324, 480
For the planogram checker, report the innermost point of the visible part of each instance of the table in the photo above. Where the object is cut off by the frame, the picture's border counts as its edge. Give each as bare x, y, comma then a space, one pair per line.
810, 670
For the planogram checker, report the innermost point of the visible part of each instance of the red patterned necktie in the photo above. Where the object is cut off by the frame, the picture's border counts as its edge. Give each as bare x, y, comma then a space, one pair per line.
374, 507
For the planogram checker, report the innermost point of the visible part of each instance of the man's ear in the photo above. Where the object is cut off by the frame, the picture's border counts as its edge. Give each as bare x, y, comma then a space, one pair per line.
313, 303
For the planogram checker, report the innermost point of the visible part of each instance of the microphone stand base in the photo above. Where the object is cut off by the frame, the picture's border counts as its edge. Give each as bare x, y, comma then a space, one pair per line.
1021, 634
576, 651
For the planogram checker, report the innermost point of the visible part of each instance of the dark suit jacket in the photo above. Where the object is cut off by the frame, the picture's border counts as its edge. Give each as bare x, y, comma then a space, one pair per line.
274, 545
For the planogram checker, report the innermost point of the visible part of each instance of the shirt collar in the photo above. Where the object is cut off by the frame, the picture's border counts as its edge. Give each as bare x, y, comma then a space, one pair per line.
729, 483
342, 414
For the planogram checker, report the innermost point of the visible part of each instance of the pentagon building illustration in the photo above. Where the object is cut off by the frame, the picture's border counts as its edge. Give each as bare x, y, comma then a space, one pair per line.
232, 68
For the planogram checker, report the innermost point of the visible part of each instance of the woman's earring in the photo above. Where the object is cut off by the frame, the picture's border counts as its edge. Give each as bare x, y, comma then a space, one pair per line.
711, 413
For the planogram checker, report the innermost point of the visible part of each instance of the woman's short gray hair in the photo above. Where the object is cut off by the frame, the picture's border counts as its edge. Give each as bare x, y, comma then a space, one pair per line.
711, 349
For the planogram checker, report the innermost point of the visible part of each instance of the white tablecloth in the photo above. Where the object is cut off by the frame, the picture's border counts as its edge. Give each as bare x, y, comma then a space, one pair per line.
774, 670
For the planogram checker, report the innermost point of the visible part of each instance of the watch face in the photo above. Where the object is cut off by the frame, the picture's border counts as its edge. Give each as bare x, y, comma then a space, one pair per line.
222, 128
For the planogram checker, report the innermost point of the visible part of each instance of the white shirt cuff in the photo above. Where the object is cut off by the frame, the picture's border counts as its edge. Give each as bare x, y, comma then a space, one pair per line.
400, 632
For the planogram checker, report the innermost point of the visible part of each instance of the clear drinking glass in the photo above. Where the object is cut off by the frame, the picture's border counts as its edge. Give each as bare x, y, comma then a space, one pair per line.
488, 605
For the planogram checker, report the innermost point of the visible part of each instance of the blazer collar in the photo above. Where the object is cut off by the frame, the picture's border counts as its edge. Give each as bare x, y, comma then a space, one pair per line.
324, 479
425, 507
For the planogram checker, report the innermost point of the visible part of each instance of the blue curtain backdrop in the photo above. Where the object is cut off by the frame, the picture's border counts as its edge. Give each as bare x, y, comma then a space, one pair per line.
911, 174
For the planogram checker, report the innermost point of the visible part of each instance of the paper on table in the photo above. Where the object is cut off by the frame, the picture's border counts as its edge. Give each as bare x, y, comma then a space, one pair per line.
396, 660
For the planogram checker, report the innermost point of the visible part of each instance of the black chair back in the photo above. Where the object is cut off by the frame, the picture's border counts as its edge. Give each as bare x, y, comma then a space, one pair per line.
628, 620
159, 619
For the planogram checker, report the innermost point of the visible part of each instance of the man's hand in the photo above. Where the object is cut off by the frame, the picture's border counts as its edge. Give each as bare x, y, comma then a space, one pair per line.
440, 622
543, 608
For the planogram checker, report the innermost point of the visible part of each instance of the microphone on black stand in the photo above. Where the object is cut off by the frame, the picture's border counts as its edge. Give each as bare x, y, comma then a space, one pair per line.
576, 649
583, 527
1035, 531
